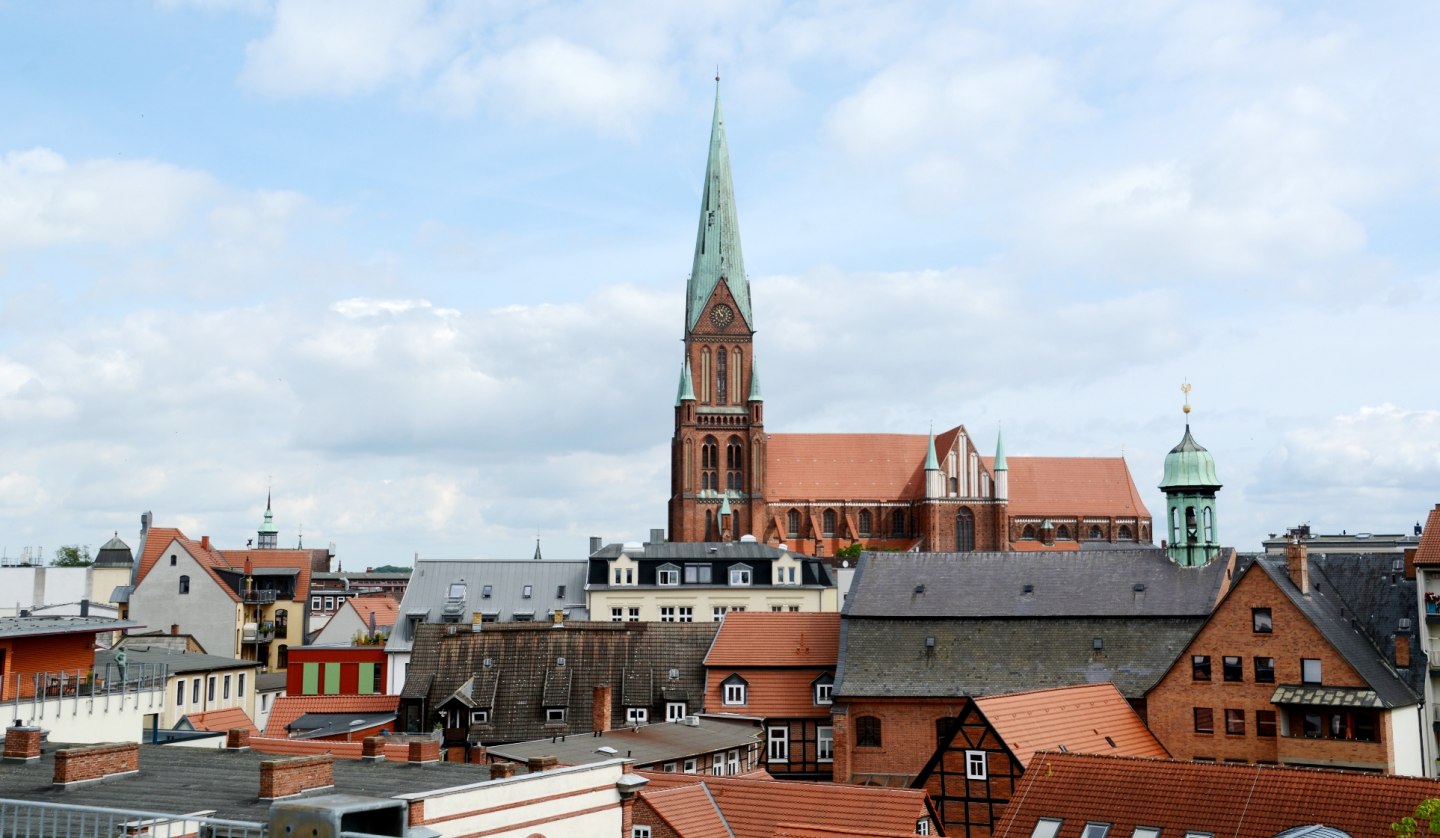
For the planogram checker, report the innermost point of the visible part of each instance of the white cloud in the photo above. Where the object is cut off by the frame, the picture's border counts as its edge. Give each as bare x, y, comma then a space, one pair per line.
1377, 447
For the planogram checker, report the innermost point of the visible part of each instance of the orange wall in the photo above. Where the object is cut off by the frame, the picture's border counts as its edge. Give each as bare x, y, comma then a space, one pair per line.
48, 653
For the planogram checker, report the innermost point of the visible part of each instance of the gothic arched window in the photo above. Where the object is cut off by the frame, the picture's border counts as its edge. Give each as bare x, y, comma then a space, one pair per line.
722, 378
705, 375
1095, 533
792, 523
1125, 534
1062, 534
864, 523
964, 531
897, 523
1206, 516
734, 458
828, 522
1028, 532
1174, 525
736, 369
710, 464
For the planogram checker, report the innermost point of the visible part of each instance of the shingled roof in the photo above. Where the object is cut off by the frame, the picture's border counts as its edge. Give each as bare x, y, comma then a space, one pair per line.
770, 638
1192, 797
1087, 583
1092, 718
1379, 597
1428, 551
525, 660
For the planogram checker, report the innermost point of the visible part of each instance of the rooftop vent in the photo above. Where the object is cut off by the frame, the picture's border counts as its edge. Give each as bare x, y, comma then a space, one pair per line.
747, 539
1028, 589
1138, 587
920, 588
606, 750
633, 547
489, 662
674, 675
930, 642
1097, 644
559, 661
690, 721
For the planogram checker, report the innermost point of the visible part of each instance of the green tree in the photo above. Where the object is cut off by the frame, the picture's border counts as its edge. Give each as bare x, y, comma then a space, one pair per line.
851, 551
391, 568
1428, 813
72, 555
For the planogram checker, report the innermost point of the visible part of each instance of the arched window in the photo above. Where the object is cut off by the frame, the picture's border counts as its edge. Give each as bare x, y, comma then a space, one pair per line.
282, 623
792, 523
897, 523
1063, 533
710, 525
184, 584
964, 531
864, 523
710, 464
282, 657
828, 522
734, 459
867, 732
984, 485
722, 377
1125, 534
1209, 525
705, 375
1028, 533
1095, 533
954, 487
1174, 525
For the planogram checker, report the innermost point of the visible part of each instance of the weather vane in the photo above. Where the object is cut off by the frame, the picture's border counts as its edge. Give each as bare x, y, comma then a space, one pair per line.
1185, 388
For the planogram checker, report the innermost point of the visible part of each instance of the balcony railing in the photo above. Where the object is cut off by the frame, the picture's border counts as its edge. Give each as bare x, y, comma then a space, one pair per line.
32, 819
260, 597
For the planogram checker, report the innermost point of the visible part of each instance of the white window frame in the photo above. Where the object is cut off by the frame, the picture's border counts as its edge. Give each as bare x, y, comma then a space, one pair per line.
733, 694
717, 612
741, 574
639, 831
922, 827
667, 613
670, 767
479, 717
825, 693
976, 767
732, 766
691, 765
555, 715
617, 614
675, 711
717, 764
825, 744
636, 715
1146, 832
777, 744
316, 602
634, 614
1046, 828
329, 603
667, 575
687, 613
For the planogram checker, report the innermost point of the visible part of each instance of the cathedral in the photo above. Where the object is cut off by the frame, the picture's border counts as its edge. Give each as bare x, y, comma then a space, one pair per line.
819, 493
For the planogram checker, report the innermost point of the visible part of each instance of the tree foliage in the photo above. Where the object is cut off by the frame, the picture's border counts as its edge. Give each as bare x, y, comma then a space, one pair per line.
72, 555
1428, 813
390, 568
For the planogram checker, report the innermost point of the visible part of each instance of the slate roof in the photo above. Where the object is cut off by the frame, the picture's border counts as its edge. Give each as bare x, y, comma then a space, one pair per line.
651, 744
1379, 597
174, 661
1427, 552
524, 660
1323, 607
1089, 719
1086, 583
430, 582
176, 780
981, 656
768, 638
1225, 800
11, 627
114, 553
721, 556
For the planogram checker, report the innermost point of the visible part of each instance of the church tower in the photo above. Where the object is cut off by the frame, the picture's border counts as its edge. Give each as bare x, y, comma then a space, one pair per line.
718, 451
268, 535
1190, 485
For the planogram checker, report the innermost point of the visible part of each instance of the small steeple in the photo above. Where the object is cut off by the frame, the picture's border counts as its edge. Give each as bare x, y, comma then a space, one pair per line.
1000, 464
1190, 484
537, 548
934, 480
1001, 468
686, 391
755, 381
932, 462
725, 505
268, 534
717, 244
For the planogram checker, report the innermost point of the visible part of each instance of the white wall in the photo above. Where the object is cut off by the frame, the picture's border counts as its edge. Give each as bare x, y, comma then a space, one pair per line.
27, 587
207, 612
1406, 732
559, 801
86, 720
399, 666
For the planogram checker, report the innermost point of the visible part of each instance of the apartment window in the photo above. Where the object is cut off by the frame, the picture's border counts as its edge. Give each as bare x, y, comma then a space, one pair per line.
195, 691
1312, 724
667, 574
638, 831
732, 690
825, 744
1046, 828
617, 615
777, 747
1261, 621
1095, 830
792, 608
1264, 670
674, 711
1310, 670
867, 732
180, 693
1200, 667
777, 608
184, 584
634, 614
225, 689
1265, 723
733, 764
315, 602
691, 766
636, 715
329, 603
1235, 722
740, 575
667, 613
670, 767
698, 574
1233, 667
717, 764
555, 714
975, 766
824, 689
1204, 720
210, 688
687, 614
479, 717
240, 686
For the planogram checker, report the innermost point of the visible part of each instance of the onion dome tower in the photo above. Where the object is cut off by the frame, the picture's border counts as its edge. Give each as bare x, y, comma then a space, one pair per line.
1190, 485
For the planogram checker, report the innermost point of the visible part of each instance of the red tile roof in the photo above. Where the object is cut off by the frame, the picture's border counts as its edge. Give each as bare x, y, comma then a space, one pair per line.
394, 751
769, 638
1099, 486
689, 811
769, 693
1085, 719
756, 808
288, 708
1428, 551
231, 719
159, 539
843, 466
298, 559
1227, 800
790, 830
385, 609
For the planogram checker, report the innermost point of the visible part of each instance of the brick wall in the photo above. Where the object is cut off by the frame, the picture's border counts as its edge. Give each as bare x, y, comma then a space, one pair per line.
286, 777
22, 743
907, 735
77, 765
645, 815
237, 738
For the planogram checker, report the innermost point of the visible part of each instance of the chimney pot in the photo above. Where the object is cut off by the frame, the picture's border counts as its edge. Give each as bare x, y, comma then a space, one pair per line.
1297, 563
175, 629
594, 544
600, 709
204, 542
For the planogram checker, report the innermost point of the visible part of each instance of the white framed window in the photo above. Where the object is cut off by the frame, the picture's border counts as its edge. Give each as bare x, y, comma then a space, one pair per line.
975, 765
1310, 671
636, 715
527, 591
922, 827
777, 608
667, 574
479, 717
617, 614
687, 614
740, 575
638, 831
1095, 829
825, 744
315, 603
634, 614
732, 690
777, 747
792, 608
691, 765
674, 711
329, 603
825, 689
670, 767
1046, 828
555, 714
717, 764
225, 689
717, 613
733, 765
667, 613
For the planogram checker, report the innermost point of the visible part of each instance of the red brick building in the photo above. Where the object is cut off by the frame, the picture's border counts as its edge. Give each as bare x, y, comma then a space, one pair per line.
821, 492
1282, 673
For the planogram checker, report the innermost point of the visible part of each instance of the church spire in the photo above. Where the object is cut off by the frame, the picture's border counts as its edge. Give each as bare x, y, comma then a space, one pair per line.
686, 391
717, 244
268, 534
755, 382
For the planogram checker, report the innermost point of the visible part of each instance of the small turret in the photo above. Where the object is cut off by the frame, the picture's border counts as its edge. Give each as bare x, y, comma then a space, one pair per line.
686, 391
1190, 484
1002, 470
934, 478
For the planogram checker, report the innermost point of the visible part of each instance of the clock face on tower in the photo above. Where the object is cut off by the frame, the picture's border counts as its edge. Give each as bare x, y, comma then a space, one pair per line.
721, 315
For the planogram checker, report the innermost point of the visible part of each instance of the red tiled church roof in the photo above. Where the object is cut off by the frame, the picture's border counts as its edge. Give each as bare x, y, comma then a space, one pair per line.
1089, 719
1428, 551
845, 466
1098, 486
769, 638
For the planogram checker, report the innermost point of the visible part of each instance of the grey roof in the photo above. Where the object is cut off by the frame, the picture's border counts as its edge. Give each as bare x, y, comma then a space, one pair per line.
1328, 613
121, 594
39, 626
431, 580
353, 576
523, 662
1326, 696
114, 553
1085, 583
980, 656
315, 725
1379, 597
176, 780
267, 682
648, 745
174, 660
692, 550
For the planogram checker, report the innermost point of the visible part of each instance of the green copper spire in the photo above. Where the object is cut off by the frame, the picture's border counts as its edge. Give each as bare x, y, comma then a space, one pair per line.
717, 244
1189, 466
267, 537
725, 505
932, 463
755, 382
687, 389
1000, 452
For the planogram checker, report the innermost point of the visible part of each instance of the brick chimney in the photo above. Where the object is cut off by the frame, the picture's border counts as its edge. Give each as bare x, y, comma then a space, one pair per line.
95, 762
545, 763
1297, 562
423, 751
372, 749
1409, 562
501, 770
600, 708
175, 629
237, 739
204, 542
288, 777
1402, 650
22, 744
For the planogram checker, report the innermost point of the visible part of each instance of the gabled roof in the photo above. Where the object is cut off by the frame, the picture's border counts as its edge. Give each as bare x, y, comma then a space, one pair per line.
1089, 719
158, 542
385, 609
768, 638
1085, 583
756, 808
288, 708
1428, 551
1223, 800
232, 719
689, 811
1099, 486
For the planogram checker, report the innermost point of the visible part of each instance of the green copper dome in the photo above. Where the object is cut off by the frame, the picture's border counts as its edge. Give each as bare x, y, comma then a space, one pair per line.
1189, 466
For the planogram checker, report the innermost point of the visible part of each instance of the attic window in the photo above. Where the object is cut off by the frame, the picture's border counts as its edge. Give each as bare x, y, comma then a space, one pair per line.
527, 591
555, 715
1095, 829
457, 590
486, 591
1046, 828
667, 574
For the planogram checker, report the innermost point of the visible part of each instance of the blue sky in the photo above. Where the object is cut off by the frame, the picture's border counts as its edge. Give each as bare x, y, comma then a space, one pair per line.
420, 266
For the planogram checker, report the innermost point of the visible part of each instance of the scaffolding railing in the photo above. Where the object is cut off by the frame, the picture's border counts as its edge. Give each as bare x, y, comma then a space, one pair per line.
33, 819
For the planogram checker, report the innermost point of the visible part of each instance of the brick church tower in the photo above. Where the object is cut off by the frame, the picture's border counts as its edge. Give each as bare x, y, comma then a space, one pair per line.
717, 472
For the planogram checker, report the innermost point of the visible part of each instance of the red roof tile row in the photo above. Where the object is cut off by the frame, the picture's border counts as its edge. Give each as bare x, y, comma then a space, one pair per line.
1428, 551
231, 719
1090, 719
288, 708
768, 638
158, 542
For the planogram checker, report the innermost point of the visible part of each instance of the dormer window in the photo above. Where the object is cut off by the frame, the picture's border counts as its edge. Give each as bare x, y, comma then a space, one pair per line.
824, 688
741, 574
486, 591
527, 591
667, 574
733, 690
456, 590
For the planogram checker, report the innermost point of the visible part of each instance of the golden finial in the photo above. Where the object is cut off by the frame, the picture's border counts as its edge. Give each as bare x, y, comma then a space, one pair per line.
1185, 388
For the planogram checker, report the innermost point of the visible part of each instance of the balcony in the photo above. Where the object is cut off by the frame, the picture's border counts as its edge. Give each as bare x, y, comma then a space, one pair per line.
259, 597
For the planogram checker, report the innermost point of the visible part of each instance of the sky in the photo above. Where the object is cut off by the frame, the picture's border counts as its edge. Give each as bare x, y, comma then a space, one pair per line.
417, 268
